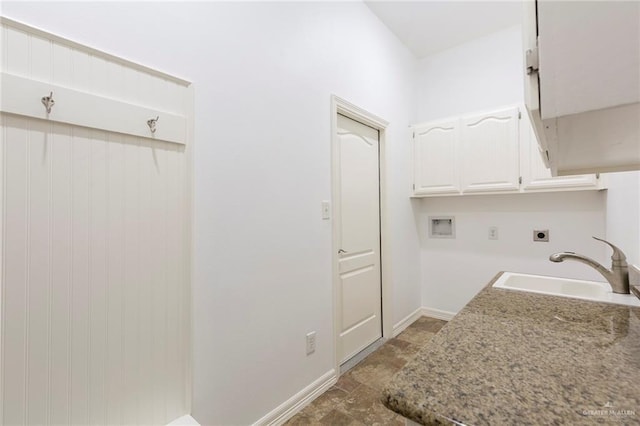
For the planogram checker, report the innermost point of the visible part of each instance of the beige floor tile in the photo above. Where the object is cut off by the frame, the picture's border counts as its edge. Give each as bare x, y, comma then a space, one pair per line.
324, 403
355, 399
338, 418
347, 383
428, 324
416, 336
365, 405
301, 419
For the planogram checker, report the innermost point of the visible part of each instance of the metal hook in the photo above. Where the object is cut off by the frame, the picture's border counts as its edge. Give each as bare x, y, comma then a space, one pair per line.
152, 124
48, 102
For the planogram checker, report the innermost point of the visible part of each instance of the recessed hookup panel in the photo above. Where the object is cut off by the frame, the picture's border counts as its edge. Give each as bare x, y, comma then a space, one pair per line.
442, 227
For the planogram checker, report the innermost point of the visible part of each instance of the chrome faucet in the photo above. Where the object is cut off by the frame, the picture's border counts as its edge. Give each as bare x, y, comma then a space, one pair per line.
617, 276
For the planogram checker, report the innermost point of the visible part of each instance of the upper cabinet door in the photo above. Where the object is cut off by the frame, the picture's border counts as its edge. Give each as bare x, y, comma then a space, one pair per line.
582, 83
435, 160
489, 152
537, 177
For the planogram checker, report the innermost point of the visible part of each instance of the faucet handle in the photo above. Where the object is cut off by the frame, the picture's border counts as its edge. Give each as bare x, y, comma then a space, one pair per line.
618, 255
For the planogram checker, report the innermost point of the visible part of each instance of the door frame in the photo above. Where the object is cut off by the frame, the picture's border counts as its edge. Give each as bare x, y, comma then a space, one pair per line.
343, 107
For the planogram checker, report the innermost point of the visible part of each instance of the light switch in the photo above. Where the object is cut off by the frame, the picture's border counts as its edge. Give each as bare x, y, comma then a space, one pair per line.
326, 210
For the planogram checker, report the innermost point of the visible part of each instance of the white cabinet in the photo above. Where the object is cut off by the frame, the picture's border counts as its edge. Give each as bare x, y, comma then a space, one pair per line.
489, 152
536, 177
435, 158
582, 87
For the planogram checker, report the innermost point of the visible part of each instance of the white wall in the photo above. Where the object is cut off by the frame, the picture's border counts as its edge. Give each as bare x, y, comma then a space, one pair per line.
480, 75
454, 270
623, 213
474, 76
263, 75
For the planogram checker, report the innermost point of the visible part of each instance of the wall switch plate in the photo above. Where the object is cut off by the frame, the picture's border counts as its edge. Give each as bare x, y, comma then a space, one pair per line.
493, 232
311, 342
541, 235
326, 210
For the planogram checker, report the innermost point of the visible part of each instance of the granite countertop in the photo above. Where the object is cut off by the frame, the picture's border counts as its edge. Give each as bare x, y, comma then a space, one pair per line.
511, 357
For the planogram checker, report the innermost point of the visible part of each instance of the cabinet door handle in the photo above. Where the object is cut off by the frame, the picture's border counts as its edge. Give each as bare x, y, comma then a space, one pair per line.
342, 251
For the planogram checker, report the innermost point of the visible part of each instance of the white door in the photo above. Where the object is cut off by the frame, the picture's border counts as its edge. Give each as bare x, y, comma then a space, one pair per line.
358, 217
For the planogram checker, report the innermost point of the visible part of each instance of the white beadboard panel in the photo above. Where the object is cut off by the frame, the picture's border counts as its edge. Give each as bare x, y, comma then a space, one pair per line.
131, 279
38, 267
61, 246
15, 279
3, 48
158, 283
17, 50
175, 247
99, 81
144, 93
130, 84
61, 66
56, 39
41, 59
95, 276
95, 312
80, 70
115, 81
174, 97
2, 226
80, 279
115, 278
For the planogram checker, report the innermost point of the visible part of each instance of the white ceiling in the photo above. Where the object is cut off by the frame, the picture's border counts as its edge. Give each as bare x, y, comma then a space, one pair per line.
427, 26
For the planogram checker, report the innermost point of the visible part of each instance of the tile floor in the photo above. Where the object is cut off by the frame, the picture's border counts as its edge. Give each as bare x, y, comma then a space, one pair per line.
355, 398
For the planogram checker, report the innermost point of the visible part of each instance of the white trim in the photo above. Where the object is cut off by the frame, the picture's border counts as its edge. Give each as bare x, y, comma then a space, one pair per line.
406, 321
95, 52
343, 107
190, 244
352, 111
297, 402
438, 314
21, 96
185, 420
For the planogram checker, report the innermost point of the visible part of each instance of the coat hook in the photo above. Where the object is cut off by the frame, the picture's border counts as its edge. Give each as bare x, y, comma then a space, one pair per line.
48, 102
152, 124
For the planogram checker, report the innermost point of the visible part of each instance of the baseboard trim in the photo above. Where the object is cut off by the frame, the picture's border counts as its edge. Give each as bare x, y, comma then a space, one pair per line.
407, 321
185, 420
298, 401
438, 314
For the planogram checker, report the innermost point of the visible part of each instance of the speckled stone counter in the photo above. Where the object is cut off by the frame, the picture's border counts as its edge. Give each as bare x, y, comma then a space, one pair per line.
511, 357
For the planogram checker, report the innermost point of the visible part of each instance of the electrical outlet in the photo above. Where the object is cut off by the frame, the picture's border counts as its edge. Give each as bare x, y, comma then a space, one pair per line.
493, 233
311, 342
541, 235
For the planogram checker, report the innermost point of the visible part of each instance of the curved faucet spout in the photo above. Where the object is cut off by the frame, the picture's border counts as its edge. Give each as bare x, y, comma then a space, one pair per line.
560, 257
617, 276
